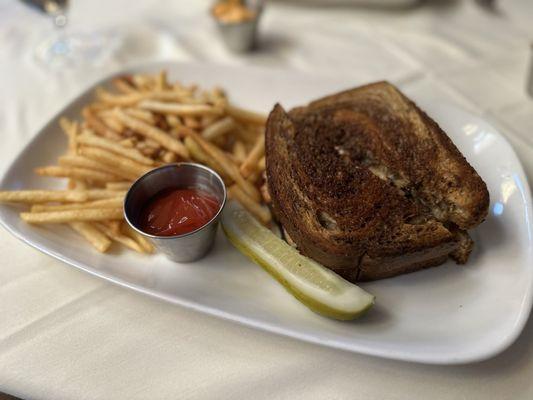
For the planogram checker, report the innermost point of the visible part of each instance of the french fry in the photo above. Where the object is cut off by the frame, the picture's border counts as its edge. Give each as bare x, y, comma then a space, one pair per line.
265, 194
251, 162
71, 130
122, 85
61, 217
199, 155
81, 162
92, 234
42, 196
111, 122
191, 122
118, 185
114, 226
154, 133
248, 117
143, 115
120, 238
98, 126
97, 194
95, 141
262, 164
161, 81
92, 175
227, 165
143, 242
262, 213
239, 152
178, 108
169, 157
219, 128
122, 166
113, 202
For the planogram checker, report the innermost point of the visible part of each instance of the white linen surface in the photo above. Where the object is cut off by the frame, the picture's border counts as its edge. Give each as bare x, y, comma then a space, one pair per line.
67, 335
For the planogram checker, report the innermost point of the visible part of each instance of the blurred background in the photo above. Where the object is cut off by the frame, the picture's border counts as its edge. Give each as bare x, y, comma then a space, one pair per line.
475, 52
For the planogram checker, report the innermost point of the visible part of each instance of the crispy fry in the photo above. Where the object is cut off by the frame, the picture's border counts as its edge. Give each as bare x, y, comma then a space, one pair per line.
239, 152
95, 141
154, 133
123, 86
81, 162
199, 155
92, 175
122, 166
265, 194
120, 238
169, 157
219, 128
227, 165
249, 117
143, 115
118, 185
251, 163
111, 122
42, 196
161, 80
60, 217
113, 202
178, 108
143, 242
262, 213
92, 234
96, 194
71, 130
98, 126
262, 164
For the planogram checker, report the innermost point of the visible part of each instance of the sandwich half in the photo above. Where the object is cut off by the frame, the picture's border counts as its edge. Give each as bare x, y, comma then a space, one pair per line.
365, 183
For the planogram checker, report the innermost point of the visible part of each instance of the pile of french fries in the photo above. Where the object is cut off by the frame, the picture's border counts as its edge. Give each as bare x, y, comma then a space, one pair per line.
145, 122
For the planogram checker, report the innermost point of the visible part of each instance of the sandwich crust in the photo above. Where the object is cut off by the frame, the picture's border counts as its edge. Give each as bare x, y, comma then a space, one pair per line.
367, 184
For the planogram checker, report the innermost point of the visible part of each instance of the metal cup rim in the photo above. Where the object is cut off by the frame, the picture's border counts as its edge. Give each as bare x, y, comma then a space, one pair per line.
146, 175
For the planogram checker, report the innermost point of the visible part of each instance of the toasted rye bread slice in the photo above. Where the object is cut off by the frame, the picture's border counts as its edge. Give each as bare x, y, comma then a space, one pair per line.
367, 184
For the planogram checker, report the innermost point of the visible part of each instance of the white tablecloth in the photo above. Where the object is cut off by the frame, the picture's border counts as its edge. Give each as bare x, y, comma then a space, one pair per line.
67, 335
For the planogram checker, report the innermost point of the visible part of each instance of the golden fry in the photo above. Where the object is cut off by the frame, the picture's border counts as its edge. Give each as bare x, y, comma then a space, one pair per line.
178, 108
154, 133
122, 166
92, 234
118, 185
252, 160
120, 238
262, 213
60, 217
112, 202
227, 165
98, 126
146, 245
219, 128
95, 141
42, 196
92, 175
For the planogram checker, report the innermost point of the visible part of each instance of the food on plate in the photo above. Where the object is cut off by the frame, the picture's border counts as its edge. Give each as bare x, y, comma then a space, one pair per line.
146, 122
178, 211
367, 184
315, 286
232, 11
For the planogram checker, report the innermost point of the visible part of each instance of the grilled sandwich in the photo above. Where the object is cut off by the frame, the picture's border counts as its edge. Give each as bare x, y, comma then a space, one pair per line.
367, 184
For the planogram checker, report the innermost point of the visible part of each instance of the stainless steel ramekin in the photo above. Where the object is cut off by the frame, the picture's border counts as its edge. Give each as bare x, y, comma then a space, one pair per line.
188, 246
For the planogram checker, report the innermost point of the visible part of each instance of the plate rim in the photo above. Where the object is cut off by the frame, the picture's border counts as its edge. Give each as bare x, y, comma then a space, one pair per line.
459, 358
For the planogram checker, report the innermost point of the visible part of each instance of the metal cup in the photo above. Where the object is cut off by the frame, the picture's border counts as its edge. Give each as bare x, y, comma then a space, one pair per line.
241, 37
188, 246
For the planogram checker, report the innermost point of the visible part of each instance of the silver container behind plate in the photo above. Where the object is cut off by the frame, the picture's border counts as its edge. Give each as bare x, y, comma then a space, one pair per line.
241, 37
188, 246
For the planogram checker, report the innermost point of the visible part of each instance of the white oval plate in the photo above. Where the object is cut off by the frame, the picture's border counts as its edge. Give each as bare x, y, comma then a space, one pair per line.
445, 315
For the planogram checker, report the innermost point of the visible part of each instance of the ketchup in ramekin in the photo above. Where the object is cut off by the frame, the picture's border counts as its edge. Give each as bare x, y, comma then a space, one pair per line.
177, 211
177, 207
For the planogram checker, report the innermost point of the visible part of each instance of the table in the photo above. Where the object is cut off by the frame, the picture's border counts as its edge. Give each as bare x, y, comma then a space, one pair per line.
64, 334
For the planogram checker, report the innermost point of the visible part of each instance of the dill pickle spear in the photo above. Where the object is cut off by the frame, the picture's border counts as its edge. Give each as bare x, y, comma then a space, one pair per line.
317, 287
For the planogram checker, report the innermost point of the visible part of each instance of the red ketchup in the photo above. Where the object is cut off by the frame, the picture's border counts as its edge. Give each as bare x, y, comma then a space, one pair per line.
177, 211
